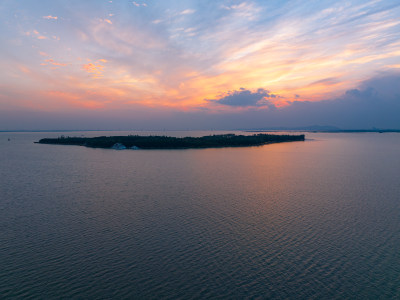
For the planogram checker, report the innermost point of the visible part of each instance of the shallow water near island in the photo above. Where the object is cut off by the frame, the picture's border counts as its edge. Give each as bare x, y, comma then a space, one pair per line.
314, 219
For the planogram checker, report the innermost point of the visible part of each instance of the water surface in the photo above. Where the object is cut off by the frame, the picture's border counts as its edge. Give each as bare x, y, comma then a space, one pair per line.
314, 219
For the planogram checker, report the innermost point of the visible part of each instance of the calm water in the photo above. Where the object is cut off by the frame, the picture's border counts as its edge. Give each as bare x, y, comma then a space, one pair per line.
318, 219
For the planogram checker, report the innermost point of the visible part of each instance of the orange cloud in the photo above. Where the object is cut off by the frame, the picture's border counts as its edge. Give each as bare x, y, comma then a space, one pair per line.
106, 20
38, 35
93, 69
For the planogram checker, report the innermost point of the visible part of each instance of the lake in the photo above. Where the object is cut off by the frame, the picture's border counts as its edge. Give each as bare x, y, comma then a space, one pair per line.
318, 219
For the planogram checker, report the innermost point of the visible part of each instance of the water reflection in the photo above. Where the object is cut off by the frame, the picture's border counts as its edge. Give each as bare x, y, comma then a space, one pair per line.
307, 219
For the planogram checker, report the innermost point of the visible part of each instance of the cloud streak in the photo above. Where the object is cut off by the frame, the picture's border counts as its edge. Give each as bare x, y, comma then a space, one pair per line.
50, 17
187, 12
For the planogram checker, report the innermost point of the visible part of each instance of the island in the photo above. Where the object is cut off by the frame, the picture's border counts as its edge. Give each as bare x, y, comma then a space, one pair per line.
168, 142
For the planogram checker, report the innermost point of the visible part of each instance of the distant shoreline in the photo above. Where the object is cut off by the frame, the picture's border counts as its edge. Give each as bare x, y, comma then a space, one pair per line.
209, 130
328, 131
136, 142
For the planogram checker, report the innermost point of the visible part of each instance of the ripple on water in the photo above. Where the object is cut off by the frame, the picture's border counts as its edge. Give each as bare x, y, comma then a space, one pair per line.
286, 221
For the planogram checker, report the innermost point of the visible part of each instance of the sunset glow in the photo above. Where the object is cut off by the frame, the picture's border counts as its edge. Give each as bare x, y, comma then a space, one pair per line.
59, 56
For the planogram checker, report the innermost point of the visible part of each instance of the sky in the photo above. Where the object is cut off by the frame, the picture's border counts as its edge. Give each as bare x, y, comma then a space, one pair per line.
220, 64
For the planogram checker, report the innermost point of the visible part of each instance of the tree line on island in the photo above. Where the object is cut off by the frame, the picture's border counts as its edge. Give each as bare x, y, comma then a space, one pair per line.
168, 142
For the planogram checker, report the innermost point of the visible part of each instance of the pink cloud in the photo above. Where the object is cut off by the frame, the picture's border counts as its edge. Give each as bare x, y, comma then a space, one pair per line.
50, 17
96, 70
55, 63
24, 69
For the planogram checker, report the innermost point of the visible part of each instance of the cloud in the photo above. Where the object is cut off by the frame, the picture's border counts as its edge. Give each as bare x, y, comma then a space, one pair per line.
296, 50
50, 17
375, 103
37, 35
242, 5
244, 9
96, 70
24, 69
393, 66
326, 81
187, 12
245, 98
106, 20
138, 4
55, 63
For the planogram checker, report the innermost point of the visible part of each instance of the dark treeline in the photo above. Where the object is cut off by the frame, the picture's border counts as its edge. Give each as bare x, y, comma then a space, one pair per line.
167, 142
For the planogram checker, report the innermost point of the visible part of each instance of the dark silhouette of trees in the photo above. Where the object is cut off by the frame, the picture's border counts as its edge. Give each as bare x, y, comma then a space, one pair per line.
168, 142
